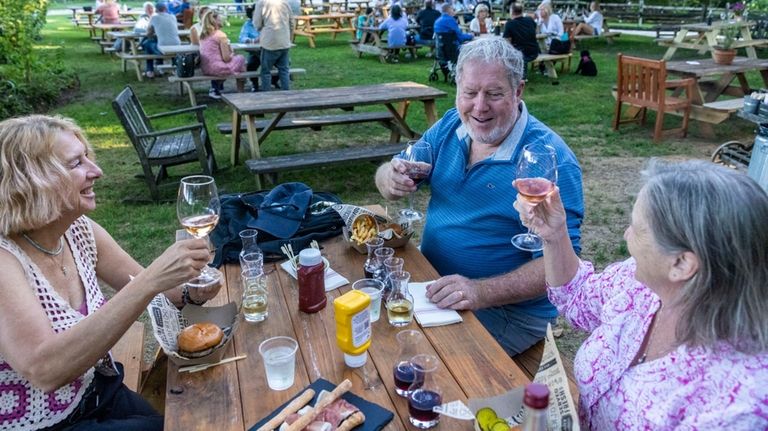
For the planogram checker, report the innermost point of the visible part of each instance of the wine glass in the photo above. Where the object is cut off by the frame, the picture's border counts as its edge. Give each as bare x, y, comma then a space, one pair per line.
417, 159
536, 177
198, 210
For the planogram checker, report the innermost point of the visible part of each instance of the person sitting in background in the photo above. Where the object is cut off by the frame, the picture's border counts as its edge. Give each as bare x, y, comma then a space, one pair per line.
476, 148
593, 24
162, 30
550, 24
396, 26
249, 35
216, 56
364, 20
109, 12
426, 20
56, 326
177, 8
141, 26
520, 31
679, 331
197, 28
482, 23
447, 24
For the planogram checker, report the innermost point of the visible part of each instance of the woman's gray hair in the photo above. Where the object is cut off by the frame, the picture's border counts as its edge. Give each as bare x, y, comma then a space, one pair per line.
720, 215
492, 49
481, 7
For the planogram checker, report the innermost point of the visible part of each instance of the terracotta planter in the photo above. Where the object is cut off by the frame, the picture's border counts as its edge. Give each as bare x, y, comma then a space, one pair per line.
723, 56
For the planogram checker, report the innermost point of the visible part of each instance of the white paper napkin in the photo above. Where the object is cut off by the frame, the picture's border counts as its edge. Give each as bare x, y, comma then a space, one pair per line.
333, 280
427, 312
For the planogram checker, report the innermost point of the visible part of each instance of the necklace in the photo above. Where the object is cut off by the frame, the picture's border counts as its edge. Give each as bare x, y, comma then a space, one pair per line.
644, 356
50, 253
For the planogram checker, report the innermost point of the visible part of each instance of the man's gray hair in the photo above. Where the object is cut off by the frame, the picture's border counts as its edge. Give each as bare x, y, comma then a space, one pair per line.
445, 7
720, 215
492, 49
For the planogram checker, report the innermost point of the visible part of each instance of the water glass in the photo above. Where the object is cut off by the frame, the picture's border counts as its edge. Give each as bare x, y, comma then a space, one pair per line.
374, 289
382, 254
255, 296
279, 355
252, 261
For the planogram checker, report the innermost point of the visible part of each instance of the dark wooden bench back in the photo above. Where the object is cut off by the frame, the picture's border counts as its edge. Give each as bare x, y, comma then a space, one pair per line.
134, 120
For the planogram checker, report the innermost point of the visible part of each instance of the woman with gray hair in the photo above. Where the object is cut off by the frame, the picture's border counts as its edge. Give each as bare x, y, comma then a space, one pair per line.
679, 331
56, 327
482, 23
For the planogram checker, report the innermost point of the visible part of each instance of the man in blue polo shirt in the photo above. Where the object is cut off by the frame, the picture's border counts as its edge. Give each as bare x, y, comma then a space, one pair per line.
470, 218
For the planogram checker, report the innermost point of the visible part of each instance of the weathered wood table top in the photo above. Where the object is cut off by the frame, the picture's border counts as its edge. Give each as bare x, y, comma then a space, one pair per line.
706, 67
194, 49
234, 396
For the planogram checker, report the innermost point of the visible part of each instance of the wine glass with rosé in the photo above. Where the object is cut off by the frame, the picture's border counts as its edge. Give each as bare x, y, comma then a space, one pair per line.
417, 159
198, 208
535, 179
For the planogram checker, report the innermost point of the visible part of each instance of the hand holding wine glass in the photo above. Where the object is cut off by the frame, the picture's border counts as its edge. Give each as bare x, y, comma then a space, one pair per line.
535, 179
198, 210
417, 160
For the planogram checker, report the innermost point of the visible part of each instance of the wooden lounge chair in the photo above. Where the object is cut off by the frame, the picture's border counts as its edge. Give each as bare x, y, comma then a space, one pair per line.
642, 83
164, 148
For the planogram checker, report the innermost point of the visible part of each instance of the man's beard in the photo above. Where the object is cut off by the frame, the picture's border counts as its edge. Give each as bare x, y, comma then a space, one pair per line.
495, 135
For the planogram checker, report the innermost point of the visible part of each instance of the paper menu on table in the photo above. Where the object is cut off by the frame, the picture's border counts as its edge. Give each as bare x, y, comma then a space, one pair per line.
427, 313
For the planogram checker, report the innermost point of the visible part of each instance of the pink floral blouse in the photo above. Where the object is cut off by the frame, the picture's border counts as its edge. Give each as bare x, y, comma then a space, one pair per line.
691, 388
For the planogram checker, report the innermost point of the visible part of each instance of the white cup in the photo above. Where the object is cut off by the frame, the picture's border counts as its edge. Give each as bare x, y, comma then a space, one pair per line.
374, 289
279, 355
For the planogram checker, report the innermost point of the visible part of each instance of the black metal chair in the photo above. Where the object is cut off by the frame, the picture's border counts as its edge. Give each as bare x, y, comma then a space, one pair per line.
446, 55
163, 148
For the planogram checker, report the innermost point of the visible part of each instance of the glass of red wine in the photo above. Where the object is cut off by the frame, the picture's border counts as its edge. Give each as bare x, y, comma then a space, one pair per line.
198, 207
535, 178
417, 159
425, 394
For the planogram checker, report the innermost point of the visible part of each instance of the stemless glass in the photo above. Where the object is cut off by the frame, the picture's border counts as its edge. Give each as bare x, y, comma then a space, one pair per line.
417, 159
536, 178
425, 392
198, 208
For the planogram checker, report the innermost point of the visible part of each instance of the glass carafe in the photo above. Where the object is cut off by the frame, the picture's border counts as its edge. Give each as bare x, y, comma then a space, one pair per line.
400, 301
251, 256
425, 393
372, 266
409, 341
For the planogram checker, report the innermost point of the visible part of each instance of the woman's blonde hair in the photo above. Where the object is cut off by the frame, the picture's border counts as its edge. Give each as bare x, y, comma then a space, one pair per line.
546, 8
34, 182
209, 24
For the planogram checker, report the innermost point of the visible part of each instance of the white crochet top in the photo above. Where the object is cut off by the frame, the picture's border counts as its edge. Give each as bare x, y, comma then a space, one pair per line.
23, 406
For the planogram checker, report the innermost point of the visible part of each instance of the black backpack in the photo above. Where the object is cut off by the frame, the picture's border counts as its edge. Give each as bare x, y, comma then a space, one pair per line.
239, 209
185, 65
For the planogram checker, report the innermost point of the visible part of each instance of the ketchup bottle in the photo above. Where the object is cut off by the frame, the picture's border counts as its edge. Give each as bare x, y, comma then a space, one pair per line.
311, 275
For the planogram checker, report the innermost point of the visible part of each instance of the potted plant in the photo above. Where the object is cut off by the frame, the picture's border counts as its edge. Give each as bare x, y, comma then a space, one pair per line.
724, 53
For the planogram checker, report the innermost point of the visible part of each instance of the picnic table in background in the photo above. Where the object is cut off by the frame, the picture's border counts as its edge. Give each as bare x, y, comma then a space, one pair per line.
372, 43
194, 49
709, 106
235, 396
703, 38
247, 106
310, 26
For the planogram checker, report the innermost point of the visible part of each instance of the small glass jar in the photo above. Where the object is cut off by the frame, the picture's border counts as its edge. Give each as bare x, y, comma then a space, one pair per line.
425, 393
400, 302
251, 256
404, 375
372, 266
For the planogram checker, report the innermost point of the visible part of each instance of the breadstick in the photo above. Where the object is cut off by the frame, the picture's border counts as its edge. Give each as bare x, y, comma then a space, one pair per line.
293, 407
308, 417
351, 421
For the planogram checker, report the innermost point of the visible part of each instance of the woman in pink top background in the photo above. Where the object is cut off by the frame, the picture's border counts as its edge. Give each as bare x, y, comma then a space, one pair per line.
216, 56
109, 11
679, 331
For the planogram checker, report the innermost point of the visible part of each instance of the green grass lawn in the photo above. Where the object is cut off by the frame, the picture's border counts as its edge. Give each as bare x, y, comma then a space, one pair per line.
579, 109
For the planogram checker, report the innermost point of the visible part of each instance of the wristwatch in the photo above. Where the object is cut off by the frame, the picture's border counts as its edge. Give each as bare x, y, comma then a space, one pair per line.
186, 299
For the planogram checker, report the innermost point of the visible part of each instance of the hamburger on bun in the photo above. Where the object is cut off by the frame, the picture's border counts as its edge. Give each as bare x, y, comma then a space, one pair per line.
199, 339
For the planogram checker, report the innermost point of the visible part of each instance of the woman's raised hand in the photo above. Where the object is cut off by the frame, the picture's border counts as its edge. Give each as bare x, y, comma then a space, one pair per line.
546, 219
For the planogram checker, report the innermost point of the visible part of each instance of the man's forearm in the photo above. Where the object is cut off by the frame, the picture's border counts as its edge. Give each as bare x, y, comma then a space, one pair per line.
526, 282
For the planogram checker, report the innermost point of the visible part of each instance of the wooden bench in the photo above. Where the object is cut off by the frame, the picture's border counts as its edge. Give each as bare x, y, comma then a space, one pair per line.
136, 59
316, 122
605, 33
385, 53
272, 165
529, 362
129, 351
550, 60
186, 83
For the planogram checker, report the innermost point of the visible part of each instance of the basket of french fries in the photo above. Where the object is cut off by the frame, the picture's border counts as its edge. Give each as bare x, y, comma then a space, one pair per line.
362, 225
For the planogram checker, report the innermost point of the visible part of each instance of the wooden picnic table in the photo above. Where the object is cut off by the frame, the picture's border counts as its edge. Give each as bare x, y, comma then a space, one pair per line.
708, 104
194, 49
703, 38
247, 106
371, 42
234, 396
310, 26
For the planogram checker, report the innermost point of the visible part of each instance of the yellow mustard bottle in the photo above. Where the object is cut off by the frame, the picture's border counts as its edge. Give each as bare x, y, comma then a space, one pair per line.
353, 326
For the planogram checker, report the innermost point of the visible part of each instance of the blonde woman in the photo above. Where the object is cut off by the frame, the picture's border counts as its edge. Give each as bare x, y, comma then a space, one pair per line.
482, 23
216, 56
197, 29
550, 23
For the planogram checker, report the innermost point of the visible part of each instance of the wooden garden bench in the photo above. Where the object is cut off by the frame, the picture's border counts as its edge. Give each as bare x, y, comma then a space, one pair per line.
274, 164
605, 34
186, 82
129, 351
551, 60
